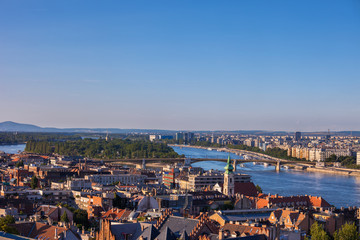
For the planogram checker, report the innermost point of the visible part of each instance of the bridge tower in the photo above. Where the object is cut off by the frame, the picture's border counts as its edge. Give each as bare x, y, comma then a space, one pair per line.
229, 185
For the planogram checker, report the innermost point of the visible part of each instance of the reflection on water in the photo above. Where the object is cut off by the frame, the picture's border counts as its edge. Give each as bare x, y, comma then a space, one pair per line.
338, 190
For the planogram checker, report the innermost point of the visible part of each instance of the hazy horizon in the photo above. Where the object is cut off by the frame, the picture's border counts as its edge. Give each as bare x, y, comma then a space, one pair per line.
204, 65
195, 130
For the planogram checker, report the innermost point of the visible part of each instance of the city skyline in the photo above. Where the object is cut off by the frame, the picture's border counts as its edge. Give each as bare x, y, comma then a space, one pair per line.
276, 66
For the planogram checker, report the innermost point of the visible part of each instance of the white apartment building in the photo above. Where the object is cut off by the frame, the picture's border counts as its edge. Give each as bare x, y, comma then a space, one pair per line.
78, 184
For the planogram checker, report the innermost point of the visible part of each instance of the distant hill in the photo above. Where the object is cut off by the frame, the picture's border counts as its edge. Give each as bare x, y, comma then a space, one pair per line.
9, 126
19, 127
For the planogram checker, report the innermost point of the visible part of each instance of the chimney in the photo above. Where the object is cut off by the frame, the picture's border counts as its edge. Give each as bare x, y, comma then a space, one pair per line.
56, 235
221, 234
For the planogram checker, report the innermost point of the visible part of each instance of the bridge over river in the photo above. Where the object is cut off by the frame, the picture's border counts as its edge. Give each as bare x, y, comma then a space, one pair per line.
277, 163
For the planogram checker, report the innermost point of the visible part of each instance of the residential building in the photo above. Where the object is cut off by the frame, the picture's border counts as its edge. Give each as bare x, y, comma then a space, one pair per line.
208, 180
107, 179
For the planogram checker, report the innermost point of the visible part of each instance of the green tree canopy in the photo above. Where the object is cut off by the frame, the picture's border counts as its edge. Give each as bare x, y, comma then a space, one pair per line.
99, 148
5, 222
64, 218
347, 232
318, 233
34, 182
259, 189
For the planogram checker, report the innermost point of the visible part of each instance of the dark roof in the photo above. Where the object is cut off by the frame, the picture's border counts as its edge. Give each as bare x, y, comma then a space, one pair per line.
245, 188
4, 235
167, 234
150, 233
184, 235
118, 229
253, 237
178, 224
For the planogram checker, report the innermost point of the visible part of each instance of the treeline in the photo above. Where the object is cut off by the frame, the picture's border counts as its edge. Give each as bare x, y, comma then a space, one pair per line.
18, 138
100, 148
346, 161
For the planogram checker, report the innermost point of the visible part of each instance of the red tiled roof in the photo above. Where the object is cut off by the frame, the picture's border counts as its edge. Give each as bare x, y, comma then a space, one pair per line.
263, 200
319, 202
116, 214
37, 230
245, 188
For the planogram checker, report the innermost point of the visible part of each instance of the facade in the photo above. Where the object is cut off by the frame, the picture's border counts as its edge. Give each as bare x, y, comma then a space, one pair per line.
153, 137
78, 184
179, 136
168, 177
107, 179
209, 180
358, 158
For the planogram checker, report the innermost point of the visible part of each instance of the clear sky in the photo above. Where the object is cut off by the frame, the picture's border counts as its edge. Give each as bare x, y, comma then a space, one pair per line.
194, 65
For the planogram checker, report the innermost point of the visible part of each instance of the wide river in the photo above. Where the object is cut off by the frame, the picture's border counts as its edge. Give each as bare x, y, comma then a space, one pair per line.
12, 148
341, 191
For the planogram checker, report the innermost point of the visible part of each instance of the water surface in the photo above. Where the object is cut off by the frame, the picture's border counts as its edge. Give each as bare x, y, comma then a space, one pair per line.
12, 148
339, 190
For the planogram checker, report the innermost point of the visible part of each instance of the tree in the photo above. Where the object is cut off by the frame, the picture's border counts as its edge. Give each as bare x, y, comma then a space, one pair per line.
4, 224
347, 232
64, 218
318, 233
259, 189
81, 217
34, 182
19, 164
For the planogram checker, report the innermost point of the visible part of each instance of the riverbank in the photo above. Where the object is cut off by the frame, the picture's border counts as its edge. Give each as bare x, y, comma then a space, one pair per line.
303, 166
339, 171
235, 151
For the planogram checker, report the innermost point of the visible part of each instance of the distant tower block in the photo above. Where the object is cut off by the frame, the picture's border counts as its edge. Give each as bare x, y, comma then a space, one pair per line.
107, 136
143, 164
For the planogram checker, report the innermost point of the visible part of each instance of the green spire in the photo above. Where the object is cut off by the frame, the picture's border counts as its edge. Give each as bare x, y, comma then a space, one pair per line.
229, 167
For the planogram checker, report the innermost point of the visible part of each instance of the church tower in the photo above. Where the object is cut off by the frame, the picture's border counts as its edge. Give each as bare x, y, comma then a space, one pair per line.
228, 188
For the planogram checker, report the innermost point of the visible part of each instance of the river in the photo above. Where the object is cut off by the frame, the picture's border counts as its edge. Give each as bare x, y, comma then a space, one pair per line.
12, 148
339, 190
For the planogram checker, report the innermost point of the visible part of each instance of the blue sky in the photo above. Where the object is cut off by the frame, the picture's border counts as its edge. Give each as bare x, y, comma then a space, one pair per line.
210, 65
